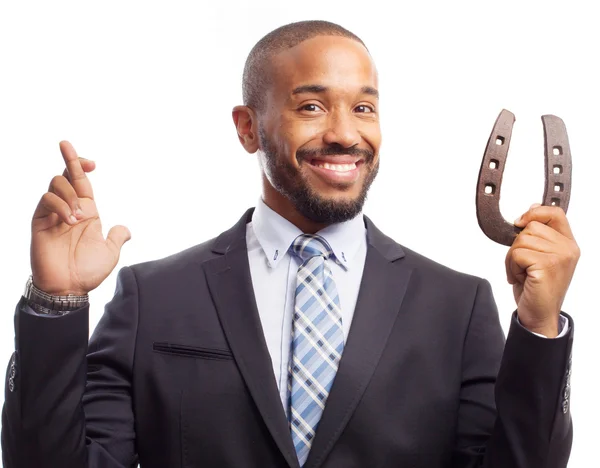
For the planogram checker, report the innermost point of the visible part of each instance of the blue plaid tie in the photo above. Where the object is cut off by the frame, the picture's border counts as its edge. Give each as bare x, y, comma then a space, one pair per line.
317, 340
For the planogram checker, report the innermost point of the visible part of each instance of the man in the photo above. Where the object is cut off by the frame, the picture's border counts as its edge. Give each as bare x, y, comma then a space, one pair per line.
302, 336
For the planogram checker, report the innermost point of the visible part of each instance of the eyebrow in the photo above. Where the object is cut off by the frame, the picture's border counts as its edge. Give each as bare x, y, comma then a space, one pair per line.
317, 89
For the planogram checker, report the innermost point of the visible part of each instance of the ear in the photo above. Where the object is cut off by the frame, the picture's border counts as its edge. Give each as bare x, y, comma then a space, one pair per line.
246, 125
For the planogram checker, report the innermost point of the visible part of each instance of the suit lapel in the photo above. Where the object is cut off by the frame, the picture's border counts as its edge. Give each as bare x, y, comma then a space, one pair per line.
230, 285
383, 286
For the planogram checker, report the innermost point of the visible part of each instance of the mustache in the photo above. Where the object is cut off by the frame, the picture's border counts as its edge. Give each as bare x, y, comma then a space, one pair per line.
309, 154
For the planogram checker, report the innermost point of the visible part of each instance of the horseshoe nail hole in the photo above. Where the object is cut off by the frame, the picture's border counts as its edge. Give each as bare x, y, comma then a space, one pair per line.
557, 169
558, 187
490, 189
494, 164
557, 150
555, 202
499, 140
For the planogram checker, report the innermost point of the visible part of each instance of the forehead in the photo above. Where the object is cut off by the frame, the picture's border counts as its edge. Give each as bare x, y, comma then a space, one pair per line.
339, 63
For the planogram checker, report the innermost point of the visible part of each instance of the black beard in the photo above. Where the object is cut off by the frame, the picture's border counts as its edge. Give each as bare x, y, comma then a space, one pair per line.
288, 181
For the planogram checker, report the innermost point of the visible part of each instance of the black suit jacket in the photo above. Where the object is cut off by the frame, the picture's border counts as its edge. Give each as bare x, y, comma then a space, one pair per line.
178, 374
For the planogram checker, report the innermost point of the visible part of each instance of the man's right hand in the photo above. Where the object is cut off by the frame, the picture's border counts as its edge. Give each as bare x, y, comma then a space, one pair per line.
69, 254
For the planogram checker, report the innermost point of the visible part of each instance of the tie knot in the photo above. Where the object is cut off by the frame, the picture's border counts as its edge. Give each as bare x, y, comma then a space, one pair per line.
307, 246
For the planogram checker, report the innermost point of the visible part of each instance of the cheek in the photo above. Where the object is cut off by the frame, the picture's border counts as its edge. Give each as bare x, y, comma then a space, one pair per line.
301, 135
372, 135
288, 145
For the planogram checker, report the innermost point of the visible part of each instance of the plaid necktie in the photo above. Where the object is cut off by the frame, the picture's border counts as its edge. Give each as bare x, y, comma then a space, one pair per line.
317, 340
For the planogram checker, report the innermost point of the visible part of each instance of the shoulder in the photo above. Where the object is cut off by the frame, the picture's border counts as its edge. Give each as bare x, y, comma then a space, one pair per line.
191, 259
436, 291
422, 267
435, 271
177, 263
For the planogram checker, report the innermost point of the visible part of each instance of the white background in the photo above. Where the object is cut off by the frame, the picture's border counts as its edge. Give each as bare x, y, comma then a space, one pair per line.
146, 90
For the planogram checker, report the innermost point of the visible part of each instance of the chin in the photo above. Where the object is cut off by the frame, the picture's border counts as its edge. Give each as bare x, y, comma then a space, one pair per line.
328, 209
341, 195
340, 199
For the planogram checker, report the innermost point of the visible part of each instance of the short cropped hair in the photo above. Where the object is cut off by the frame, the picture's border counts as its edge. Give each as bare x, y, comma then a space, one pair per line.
257, 73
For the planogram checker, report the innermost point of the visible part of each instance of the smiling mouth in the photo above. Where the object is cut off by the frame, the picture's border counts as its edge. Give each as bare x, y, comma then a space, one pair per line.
336, 171
340, 167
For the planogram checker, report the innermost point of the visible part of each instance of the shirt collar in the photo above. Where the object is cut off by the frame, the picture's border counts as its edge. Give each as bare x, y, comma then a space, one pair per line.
275, 234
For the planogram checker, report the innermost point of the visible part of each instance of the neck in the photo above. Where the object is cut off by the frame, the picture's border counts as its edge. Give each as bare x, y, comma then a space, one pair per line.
284, 207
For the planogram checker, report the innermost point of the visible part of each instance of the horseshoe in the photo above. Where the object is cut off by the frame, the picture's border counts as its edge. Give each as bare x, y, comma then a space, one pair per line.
557, 191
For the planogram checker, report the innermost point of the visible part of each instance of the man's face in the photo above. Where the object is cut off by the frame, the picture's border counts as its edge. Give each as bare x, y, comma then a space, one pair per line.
319, 132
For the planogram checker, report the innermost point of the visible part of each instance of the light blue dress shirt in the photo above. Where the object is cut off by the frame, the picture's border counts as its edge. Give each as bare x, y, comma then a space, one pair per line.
273, 270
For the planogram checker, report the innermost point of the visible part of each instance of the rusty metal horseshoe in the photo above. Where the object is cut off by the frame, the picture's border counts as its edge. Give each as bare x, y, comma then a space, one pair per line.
557, 191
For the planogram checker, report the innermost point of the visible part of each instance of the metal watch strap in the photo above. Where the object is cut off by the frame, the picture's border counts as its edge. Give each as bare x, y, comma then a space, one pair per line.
45, 303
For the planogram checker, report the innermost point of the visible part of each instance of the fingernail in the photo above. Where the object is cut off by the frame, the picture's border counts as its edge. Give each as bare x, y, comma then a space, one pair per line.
78, 213
535, 205
518, 220
73, 219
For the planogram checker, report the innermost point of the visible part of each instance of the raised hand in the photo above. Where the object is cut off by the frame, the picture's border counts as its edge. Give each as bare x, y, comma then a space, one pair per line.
540, 265
69, 254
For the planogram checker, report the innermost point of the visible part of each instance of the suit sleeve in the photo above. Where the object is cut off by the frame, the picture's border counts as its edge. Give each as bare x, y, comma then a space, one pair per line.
514, 408
70, 402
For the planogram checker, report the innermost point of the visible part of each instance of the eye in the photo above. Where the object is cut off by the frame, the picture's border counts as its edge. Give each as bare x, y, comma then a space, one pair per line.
310, 108
364, 109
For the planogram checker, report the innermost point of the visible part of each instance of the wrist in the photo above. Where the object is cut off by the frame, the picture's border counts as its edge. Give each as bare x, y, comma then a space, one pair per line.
549, 327
56, 292
53, 303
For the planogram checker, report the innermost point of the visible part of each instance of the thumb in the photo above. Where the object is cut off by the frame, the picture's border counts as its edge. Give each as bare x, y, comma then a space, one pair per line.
117, 236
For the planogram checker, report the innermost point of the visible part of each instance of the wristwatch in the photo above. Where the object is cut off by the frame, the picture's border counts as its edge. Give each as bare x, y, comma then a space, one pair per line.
45, 303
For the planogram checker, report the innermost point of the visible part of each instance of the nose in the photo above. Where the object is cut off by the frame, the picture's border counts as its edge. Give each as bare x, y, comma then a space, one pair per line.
341, 130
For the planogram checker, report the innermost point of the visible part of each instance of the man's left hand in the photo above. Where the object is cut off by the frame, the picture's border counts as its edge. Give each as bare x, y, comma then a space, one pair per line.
540, 265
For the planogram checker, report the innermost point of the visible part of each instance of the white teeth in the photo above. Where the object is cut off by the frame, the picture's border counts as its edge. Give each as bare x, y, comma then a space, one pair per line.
338, 167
